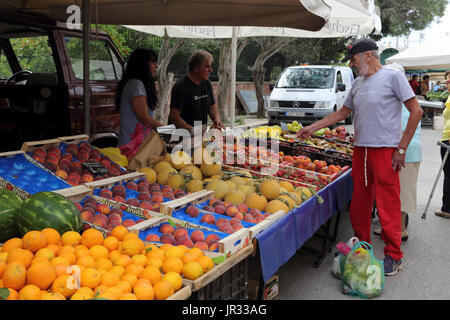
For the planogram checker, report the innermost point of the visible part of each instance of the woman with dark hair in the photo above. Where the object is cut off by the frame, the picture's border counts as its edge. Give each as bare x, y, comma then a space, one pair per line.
136, 94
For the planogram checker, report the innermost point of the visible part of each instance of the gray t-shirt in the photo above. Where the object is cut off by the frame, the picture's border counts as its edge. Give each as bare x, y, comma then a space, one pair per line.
376, 102
128, 120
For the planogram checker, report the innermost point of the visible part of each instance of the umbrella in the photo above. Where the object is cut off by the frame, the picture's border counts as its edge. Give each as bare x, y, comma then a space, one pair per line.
301, 14
347, 18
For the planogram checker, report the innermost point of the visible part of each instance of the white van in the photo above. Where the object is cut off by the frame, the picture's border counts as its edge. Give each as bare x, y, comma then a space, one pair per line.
309, 93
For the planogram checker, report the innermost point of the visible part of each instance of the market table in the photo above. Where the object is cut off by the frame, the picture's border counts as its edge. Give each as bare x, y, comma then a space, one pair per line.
278, 243
427, 119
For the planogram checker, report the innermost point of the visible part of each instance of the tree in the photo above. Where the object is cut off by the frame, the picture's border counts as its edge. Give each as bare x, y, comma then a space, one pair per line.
166, 53
269, 46
224, 75
401, 17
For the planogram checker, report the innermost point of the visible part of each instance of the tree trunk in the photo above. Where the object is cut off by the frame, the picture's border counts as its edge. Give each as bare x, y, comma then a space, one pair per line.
224, 74
269, 46
166, 53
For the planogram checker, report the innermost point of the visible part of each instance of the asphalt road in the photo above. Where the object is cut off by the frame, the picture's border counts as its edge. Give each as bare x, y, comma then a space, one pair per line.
426, 272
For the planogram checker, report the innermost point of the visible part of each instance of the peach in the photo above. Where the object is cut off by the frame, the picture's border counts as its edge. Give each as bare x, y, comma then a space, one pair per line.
231, 211
224, 226
132, 185
208, 208
54, 149
128, 222
119, 199
100, 220
132, 202
40, 152
197, 236
73, 181
236, 226
144, 196
166, 228
227, 204
182, 238
87, 215
221, 221
82, 156
213, 202
192, 211
243, 208
51, 164
72, 149
180, 231
239, 216
62, 174
103, 208
201, 245
87, 177
95, 157
106, 163
213, 246
152, 237
208, 218
220, 209
157, 198
91, 201
120, 193
105, 193
169, 196
114, 172
79, 207
235, 221
167, 238
146, 205
115, 217
39, 158
65, 161
212, 237
249, 218
116, 211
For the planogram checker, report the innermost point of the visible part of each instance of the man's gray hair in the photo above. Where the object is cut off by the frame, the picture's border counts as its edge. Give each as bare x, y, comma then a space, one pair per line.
374, 53
197, 58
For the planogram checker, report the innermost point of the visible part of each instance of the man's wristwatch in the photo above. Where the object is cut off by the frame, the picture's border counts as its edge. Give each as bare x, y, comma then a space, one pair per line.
401, 151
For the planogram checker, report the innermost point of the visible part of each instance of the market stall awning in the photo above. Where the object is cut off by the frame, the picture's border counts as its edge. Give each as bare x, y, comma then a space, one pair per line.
301, 14
435, 55
344, 20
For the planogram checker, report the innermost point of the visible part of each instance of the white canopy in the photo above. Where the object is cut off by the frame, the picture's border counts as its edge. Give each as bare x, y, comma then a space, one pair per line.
434, 55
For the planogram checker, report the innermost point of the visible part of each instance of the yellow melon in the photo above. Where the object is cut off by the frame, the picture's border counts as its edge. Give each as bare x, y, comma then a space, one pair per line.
150, 174
276, 205
270, 189
219, 187
193, 172
164, 175
195, 185
286, 185
254, 200
161, 166
210, 170
176, 181
238, 181
180, 159
236, 197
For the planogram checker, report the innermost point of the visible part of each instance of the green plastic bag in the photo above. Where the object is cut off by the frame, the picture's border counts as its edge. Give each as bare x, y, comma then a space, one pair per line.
362, 273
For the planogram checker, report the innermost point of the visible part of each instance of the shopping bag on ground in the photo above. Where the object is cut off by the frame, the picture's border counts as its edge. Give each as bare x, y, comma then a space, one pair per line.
343, 250
131, 148
362, 274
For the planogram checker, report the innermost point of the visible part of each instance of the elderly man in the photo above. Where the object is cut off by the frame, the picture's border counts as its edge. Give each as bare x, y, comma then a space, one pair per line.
192, 97
376, 100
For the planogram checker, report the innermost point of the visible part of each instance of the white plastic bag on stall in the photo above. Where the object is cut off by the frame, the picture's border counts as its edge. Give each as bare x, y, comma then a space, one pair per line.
343, 249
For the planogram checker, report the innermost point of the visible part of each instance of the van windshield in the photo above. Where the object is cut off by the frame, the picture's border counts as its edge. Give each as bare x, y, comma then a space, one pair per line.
317, 78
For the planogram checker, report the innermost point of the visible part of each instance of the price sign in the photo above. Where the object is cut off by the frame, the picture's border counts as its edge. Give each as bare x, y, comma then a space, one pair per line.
96, 168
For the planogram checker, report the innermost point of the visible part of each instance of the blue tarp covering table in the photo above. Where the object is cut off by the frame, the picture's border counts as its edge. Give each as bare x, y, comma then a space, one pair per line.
278, 243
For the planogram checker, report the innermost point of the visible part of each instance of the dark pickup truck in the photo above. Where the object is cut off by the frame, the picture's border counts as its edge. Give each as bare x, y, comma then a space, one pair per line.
41, 82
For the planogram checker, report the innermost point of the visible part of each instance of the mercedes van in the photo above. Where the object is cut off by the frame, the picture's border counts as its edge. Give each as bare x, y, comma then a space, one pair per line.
309, 93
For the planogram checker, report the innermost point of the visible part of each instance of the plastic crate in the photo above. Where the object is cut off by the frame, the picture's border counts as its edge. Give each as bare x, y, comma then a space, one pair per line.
231, 285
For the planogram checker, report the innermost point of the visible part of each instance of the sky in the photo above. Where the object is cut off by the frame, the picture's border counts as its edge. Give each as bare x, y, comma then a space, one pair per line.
438, 29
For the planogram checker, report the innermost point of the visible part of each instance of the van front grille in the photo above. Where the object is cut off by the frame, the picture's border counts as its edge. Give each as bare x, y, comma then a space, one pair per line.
296, 104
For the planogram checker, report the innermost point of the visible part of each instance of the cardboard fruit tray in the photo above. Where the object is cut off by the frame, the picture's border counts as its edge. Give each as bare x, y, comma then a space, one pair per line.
94, 166
23, 175
227, 244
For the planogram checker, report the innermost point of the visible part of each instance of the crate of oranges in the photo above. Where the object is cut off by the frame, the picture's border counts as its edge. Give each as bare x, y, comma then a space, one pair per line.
47, 265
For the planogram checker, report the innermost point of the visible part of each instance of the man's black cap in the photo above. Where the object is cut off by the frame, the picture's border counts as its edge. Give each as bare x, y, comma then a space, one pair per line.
360, 45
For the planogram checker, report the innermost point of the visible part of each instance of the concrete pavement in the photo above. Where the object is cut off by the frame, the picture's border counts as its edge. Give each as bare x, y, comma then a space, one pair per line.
426, 273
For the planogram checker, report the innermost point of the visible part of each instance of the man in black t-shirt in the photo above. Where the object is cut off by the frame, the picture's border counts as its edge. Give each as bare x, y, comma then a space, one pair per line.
192, 98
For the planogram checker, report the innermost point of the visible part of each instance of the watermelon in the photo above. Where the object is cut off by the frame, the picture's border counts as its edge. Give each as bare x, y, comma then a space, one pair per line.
9, 204
48, 210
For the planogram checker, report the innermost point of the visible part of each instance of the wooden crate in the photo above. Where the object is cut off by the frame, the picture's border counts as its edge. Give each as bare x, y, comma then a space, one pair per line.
76, 193
182, 294
110, 182
74, 139
226, 246
195, 198
219, 270
30, 146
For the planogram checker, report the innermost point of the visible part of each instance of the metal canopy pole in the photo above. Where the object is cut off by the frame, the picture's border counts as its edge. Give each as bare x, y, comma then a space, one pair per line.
233, 78
86, 85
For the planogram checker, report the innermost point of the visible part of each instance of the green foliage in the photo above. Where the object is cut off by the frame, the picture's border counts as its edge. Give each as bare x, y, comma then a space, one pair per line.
438, 96
401, 17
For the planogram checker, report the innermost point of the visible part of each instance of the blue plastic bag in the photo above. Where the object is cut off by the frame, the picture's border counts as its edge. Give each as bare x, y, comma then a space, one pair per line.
362, 273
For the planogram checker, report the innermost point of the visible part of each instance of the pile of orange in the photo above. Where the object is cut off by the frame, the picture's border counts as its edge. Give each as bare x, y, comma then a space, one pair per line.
44, 265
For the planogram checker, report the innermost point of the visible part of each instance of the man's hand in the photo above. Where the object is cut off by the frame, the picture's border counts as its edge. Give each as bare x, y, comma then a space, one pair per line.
217, 124
398, 161
305, 132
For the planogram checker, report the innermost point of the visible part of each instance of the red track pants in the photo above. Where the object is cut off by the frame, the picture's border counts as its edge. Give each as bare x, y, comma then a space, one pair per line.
375, 179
